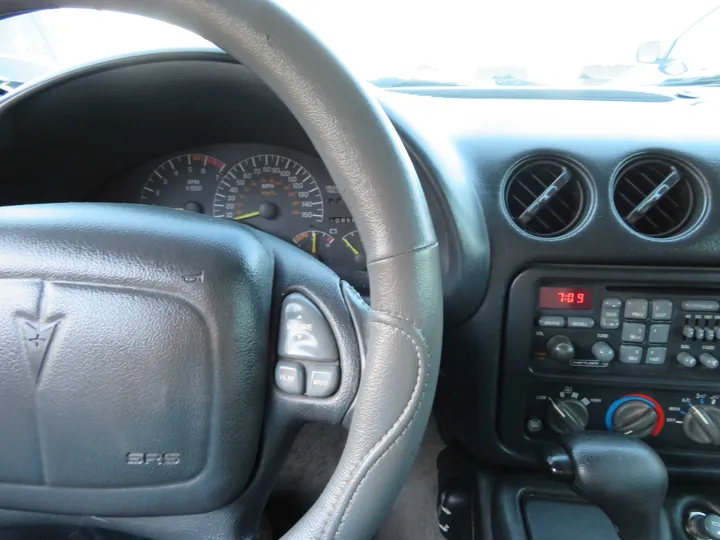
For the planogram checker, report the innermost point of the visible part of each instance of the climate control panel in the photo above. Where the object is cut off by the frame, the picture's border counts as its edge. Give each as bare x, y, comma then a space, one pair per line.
663, 418
634, 350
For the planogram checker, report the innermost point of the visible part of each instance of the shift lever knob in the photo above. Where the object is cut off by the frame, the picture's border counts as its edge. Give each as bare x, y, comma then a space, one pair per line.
620, 474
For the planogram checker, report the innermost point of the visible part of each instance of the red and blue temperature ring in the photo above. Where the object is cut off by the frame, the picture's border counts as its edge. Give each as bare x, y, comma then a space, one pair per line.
637, 397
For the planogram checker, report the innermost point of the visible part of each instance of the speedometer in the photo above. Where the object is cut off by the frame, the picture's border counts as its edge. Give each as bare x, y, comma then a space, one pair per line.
268, 189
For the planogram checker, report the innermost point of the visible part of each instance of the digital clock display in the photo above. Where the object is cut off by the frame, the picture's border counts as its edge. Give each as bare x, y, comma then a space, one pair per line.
565, 298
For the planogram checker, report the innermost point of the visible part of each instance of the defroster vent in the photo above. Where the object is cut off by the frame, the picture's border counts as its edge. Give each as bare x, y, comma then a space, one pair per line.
545, 196
655, 196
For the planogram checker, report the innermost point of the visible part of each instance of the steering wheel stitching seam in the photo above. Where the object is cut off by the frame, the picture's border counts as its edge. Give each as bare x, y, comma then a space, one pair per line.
383, 439
414, 250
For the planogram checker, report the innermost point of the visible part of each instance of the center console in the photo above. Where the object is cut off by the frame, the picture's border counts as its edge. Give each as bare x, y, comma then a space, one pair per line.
627, 350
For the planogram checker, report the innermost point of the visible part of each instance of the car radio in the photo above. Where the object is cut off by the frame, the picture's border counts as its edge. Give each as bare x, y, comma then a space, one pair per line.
629, 328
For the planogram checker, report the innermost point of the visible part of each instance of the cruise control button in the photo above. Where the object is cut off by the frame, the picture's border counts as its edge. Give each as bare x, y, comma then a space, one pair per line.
290, 377
659, 333
700, 305
614, 303
656, 355
581, 322
323, 381
634, 332
661, 310
304, 332
636, 308
630, 354
551, 322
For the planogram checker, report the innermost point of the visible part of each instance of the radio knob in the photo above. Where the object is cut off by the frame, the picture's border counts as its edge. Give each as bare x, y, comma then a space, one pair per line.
686, 359
602, 351
702, 424
708, 360
635, 418
561, 348
567, 416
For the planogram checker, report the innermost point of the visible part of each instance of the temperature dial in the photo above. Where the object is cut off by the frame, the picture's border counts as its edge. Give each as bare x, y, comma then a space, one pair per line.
567, 416
702, 424
635, 418
637, 415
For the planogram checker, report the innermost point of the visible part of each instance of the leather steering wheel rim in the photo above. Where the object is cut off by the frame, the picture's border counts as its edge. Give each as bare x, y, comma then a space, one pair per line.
373, 172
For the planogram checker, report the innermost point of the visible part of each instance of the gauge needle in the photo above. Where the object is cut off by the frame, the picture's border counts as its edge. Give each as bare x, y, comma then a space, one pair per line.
352, 248
314, 243
246, 216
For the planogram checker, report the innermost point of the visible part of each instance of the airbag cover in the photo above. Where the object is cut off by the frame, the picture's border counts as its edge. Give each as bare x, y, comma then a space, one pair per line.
133, 343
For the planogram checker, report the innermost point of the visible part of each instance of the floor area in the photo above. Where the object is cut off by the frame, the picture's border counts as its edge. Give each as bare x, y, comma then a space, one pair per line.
311, 463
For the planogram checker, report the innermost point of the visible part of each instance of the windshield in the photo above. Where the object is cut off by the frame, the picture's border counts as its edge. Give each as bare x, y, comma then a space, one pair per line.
559, 43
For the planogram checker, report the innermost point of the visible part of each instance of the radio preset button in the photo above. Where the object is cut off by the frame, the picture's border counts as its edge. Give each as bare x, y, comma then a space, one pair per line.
581, 322
630, 354
656, 356
551, 322
633, 332
613, 303
659, 333
661, 310
636, 308
700, 305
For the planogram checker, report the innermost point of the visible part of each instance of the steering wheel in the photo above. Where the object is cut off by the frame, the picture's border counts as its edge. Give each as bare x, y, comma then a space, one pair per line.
139, 343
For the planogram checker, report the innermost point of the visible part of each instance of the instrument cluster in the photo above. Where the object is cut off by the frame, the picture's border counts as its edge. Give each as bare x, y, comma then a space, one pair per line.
286, 193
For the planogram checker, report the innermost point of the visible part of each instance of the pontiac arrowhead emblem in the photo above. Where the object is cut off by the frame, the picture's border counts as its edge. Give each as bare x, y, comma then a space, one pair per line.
37, 339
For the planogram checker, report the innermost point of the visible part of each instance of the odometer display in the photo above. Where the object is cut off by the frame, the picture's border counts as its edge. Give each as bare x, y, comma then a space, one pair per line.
271, 192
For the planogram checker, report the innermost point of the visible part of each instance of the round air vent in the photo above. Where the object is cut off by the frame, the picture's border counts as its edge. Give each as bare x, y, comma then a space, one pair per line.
655, 197
545, 196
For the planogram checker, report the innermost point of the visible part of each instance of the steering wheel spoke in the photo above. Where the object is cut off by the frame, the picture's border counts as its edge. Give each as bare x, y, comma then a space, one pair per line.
317, 332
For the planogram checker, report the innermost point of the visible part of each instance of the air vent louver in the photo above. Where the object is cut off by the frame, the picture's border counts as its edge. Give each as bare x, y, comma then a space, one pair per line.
655, 197
545, 197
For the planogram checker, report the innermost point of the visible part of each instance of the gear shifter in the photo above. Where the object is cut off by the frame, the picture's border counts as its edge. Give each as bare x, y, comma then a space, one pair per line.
620, 474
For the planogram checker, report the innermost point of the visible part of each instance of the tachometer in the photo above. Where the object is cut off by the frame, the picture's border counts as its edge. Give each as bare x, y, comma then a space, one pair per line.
181, 181
266, 190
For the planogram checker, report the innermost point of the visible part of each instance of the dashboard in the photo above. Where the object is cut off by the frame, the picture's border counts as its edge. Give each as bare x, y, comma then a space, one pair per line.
560, 186
286, 193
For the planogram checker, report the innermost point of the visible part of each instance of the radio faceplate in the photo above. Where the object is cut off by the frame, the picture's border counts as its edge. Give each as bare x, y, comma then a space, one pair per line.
628, 329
